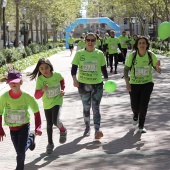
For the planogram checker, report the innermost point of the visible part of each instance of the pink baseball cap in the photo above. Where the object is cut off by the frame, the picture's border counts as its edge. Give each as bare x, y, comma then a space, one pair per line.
14, 76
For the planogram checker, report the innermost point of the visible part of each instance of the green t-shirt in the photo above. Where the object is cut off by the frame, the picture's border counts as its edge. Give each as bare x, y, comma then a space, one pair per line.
71, 41
132, 41
123, 41
81, 44
112, 45
141, 72
51, 96
89, 64
15, 111
98, 44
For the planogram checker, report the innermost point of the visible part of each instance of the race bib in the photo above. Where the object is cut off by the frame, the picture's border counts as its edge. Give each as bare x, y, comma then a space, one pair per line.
53, 91
90, 66
123, 42
113, 47
16, 116
142, 70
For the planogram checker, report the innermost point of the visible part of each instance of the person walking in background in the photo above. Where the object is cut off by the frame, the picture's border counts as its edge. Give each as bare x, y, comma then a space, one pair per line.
123, 43
14, 106
71, 44
113, 44
105, 50
98, 42
81, 43
133, 40
140, 86
91, 63
50, 86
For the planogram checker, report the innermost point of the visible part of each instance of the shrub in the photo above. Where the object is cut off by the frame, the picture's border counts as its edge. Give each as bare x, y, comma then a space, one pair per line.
34, 47
2, 59
11, 55
28, 51
22, 51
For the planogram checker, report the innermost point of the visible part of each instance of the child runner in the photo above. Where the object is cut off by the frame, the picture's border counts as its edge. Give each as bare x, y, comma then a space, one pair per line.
50, 86
14, 105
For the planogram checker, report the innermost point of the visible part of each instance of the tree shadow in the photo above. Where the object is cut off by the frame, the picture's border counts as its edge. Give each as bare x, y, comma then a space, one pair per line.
129, 141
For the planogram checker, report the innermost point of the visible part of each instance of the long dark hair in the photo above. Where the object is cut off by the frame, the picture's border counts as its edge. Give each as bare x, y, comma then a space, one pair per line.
36, 71
139, 38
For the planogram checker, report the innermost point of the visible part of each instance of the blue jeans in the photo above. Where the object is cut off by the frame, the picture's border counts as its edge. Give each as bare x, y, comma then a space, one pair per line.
91, 94
21, 142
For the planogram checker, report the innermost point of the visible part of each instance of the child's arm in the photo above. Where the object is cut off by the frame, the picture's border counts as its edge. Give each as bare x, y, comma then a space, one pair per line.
37, 117
39, 93
2, 133
62, 83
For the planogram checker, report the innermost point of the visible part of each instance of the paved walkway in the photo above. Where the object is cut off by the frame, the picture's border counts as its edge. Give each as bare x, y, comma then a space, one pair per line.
121, 148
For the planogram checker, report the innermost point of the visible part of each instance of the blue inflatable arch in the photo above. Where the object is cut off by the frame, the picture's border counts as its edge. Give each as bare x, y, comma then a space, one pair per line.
79, 21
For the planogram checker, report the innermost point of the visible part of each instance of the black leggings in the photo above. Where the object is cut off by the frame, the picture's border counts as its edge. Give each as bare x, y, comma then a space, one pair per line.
140, 96
115, 60
52, 116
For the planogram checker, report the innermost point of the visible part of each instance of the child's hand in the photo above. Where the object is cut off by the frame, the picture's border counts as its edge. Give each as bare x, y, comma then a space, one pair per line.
45, 87
62, 93
76, 83
38, 132
1, 137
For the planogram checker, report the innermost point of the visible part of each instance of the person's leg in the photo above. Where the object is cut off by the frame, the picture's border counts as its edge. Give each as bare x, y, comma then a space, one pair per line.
57, 122
115, 62
111, 62
107, 58
97, 93
124, 53
146, 90
22, 144
48, 115
85, 94
135, 99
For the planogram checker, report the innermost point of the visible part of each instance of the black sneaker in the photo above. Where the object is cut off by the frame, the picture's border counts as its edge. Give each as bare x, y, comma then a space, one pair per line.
63, 136
49, 148
32, 146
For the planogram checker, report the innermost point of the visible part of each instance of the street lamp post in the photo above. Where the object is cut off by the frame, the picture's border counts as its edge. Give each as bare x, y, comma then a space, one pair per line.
4, 2
24, 23
7, 28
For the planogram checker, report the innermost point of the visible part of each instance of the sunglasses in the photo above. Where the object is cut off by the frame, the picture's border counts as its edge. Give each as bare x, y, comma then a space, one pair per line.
92, 40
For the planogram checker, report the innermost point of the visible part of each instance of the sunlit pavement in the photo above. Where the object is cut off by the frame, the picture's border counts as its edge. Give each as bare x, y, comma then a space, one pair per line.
121, 148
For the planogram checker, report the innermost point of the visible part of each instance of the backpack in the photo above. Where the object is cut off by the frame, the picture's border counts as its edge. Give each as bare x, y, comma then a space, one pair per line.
134, 58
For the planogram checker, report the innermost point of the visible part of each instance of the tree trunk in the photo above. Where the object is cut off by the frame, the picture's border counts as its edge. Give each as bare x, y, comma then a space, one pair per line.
17, 25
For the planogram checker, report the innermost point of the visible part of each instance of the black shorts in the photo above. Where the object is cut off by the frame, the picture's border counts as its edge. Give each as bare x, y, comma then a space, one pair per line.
71, 46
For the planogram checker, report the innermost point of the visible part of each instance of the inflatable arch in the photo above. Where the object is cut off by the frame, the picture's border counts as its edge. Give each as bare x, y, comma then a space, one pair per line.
101, 20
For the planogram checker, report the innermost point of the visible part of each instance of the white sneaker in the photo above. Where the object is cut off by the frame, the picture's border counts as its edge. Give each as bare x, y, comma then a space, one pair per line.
135, 122
142, 130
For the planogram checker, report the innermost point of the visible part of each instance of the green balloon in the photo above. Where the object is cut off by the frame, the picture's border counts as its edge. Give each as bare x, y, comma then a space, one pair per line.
110, 86
164, 30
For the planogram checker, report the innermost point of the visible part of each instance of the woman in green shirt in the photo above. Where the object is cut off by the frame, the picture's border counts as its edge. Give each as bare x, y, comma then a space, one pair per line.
140, 85
91, 63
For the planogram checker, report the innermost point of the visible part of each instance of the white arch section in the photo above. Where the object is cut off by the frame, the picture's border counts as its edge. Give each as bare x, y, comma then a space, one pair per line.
101, 20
